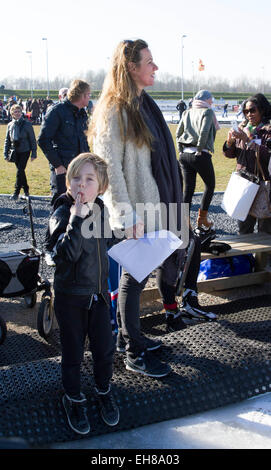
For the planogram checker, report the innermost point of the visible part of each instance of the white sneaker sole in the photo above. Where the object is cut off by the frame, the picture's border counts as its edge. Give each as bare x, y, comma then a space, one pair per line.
199, 314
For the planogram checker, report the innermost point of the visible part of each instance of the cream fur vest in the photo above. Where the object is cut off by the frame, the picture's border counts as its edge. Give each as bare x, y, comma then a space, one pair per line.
131, 181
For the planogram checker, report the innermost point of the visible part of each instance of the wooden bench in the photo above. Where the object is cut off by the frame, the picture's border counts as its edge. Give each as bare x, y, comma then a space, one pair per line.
256, 243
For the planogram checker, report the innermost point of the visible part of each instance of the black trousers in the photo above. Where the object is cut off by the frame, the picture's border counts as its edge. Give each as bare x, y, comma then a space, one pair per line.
129, 300
21, 181
77, 321
192, 165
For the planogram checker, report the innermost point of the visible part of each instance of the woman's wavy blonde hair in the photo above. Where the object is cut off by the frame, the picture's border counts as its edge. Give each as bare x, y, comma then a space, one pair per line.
120, 92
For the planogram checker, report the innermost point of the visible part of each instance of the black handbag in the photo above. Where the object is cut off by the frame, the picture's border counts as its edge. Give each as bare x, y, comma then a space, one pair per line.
11, 155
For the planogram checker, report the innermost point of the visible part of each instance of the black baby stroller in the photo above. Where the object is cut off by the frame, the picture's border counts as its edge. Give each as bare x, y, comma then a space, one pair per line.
19, 277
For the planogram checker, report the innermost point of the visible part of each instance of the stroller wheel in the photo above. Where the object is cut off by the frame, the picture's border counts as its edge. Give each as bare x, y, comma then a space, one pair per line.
30, 300
3, 330
45, 317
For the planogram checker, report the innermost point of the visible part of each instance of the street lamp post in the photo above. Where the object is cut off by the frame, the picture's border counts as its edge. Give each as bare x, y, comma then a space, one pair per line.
183, 36
31, 75
48, 90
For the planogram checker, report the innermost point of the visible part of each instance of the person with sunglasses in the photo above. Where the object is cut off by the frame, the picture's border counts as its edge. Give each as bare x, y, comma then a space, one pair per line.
253, 133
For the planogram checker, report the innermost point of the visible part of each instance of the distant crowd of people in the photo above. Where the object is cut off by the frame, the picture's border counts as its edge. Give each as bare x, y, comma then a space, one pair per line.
34, 109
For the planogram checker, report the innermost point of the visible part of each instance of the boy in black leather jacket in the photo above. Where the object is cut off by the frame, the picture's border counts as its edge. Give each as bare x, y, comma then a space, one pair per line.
81, 236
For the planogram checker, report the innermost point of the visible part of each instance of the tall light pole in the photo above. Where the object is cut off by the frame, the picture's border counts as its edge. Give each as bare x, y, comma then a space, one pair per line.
31, 75
48, 90
182, 38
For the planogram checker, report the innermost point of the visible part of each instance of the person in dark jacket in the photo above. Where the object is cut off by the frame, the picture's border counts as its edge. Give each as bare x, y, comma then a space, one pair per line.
20, 137
181, 107
81, 287
62, 138
35, 111
254, 132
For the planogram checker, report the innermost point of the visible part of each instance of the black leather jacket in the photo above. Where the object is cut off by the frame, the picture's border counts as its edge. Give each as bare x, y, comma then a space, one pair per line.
82, 264
27, 139
62, 135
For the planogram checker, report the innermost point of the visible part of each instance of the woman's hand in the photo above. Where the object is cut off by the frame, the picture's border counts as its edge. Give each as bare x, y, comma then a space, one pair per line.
241, 135
135, 231
230, 139
79, 209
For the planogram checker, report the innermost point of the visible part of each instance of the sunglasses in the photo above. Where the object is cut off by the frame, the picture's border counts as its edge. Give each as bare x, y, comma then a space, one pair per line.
250, 110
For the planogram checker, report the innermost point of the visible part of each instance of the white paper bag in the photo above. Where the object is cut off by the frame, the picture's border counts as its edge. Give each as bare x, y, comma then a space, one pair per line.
140, 257
239, 196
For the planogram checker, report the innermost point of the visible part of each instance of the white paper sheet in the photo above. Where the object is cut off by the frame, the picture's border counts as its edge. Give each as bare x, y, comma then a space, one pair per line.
140, 257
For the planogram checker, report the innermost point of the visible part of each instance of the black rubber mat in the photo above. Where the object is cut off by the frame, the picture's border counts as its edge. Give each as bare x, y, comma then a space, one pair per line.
213, 364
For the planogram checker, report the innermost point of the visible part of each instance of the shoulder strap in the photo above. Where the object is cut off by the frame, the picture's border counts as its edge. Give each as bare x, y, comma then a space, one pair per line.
259, 166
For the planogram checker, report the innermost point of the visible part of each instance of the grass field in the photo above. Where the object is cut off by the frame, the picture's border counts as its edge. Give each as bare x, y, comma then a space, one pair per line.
38, 170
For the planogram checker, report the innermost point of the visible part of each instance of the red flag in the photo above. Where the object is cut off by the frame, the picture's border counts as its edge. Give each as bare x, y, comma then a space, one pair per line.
201, 65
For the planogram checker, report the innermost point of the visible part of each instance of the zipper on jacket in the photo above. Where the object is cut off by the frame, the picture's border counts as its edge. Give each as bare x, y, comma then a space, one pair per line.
93, 297
100, 265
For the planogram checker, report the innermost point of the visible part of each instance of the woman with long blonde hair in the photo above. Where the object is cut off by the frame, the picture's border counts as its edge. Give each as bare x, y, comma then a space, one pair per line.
129, 132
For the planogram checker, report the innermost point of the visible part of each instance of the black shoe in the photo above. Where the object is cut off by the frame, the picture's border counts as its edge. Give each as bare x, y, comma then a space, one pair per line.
76, 413
192, 309
14, 196
174, 321
150, 344
147, 364
108, 408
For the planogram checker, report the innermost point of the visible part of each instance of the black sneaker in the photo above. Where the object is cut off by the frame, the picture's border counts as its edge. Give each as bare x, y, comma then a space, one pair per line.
108, 408
14, 197
192, 309
174, 321
147, 364
76, 413
150, 344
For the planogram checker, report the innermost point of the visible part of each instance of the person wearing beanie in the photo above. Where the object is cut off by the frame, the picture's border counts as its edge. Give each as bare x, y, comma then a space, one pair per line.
195, 136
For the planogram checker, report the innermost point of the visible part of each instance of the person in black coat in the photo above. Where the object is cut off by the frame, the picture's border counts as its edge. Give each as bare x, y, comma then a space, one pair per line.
62, 137
21, 139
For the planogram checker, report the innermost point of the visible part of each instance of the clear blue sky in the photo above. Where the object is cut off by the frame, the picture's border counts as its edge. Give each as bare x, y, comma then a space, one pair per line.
231, 37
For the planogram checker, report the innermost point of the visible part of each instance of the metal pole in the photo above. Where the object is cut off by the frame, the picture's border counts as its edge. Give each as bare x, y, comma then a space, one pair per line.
193, 78
183, 36
47, 71
31, 75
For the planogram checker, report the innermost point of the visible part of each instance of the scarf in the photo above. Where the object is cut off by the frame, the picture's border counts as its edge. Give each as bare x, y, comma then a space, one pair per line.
168, 177
165, 168
199, 104
252, 131
15, 129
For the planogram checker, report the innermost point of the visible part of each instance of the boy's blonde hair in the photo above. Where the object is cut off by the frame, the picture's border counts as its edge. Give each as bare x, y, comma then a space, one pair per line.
99, 165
